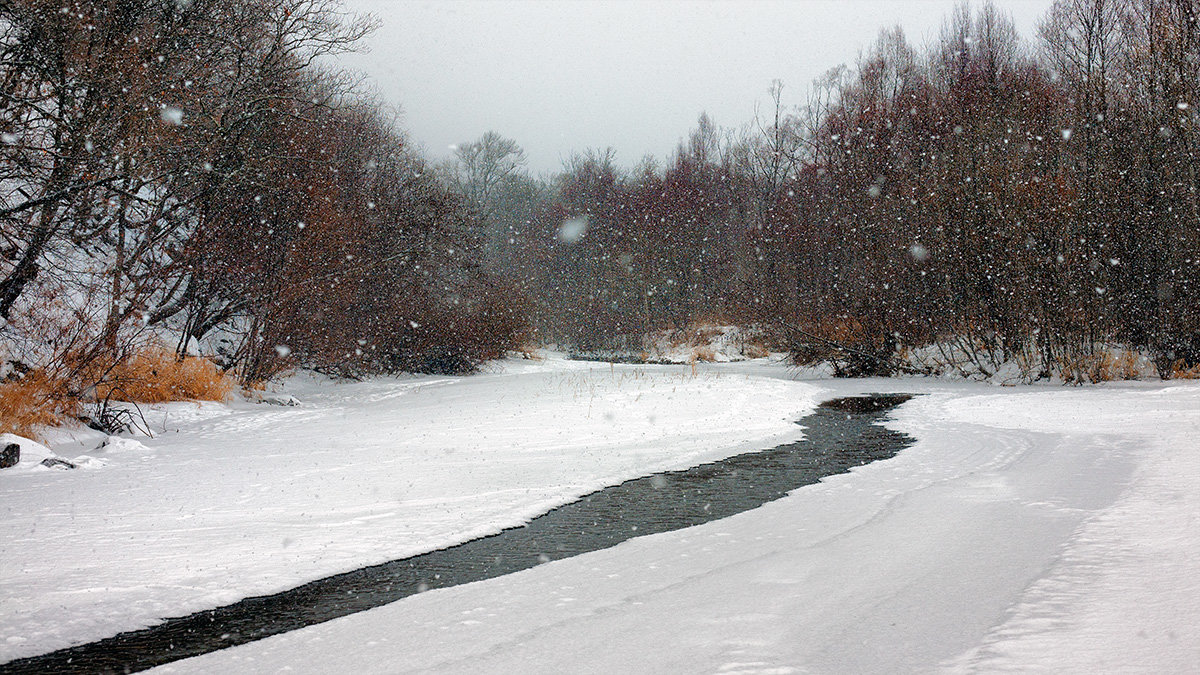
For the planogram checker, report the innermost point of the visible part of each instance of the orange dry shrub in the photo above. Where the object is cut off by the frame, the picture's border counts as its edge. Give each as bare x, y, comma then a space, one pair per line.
842, 330
702, 331
528, 350
31, 402
155, 375
705, 354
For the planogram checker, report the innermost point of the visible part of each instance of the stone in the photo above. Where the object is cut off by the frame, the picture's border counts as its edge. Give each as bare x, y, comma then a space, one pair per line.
58, 463
10, 455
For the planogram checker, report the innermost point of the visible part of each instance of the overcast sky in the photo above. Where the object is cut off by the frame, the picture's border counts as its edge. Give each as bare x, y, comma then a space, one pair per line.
569, 75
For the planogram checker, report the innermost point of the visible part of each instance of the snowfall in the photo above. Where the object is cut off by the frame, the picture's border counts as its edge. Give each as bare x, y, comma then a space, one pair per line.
1036, 528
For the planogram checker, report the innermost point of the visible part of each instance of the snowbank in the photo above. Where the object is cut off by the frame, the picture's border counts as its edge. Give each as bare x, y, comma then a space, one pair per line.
239, 499
1034, 530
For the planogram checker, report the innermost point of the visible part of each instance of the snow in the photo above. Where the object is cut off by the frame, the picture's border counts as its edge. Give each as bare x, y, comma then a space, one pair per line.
1028, 529
702, 342
32, 452
232, 500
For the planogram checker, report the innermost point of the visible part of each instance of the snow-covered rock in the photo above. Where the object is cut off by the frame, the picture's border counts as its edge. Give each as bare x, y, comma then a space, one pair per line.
114, 445
286, 400
10, 454
58, 463
31, 452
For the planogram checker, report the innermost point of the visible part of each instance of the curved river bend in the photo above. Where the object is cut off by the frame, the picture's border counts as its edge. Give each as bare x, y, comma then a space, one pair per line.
839, 435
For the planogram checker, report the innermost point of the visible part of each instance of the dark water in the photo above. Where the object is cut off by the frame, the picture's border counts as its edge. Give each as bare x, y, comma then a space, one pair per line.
841, 434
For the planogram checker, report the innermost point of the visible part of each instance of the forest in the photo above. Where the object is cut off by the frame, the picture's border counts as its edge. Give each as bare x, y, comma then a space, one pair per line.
193, 198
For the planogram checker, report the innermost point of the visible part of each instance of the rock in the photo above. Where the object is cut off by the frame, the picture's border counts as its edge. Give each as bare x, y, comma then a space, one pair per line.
10, 455
58, 463
31, 452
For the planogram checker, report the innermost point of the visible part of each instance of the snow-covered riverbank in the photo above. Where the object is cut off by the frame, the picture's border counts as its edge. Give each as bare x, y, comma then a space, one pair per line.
1029, 528
233, 500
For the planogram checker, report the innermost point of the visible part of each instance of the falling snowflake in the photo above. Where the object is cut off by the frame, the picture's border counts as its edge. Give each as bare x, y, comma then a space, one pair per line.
171, 115
573, 230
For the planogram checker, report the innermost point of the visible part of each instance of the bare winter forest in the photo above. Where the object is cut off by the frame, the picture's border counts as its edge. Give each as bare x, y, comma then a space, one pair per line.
192, 198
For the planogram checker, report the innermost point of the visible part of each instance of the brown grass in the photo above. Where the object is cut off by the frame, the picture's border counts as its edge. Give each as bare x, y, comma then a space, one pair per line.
529, 351
705, 354
755, 350
29, 403
1180, 371
157, 376
54, 393
1100, 366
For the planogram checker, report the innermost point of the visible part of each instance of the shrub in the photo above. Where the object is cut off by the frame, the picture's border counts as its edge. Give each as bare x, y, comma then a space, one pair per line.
852, 347
31, 402
1180, 371
1100, 366
755, 350
155, 375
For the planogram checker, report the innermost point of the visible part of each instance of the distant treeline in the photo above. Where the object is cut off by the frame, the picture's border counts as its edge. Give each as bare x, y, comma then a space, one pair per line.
1028, 202
197, 171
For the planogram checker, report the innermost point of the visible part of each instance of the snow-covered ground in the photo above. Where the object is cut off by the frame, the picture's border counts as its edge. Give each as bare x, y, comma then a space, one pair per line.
1034, 528
228, 501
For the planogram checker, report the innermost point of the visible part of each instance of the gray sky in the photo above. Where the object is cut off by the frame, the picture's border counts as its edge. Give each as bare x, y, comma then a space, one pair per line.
568, 75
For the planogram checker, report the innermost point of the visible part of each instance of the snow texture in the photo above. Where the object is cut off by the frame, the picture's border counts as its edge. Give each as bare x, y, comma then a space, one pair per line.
1028, 529
232, 500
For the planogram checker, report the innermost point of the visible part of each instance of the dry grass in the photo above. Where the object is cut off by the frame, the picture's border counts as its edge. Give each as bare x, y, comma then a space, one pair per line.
1102, 366
842, 330
157, 376
704, 353
703, 332
1180, 371
529, 351
49, 397
29, 403
755, 350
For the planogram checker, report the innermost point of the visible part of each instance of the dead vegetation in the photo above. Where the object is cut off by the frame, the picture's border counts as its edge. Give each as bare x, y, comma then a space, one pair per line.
74, 388
31, 402
158, 376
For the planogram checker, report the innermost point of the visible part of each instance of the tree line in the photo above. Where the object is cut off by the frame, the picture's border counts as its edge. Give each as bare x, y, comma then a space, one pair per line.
991, 199
199, 173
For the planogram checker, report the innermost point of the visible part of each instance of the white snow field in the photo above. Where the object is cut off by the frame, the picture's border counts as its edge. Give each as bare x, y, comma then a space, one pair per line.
228, 501
1029, 529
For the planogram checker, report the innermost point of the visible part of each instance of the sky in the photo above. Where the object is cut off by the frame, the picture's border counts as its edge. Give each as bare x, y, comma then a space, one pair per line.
566, 76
